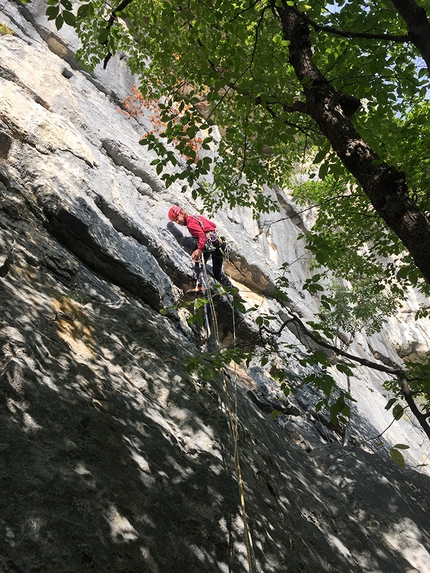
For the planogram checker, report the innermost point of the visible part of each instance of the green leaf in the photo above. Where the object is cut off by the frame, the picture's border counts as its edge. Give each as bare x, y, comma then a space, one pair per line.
83, 11
52, 12
322, 173
321, 154
345, 369
397, 412
397, 457
390, 402
59, 21
103, 35
69, 18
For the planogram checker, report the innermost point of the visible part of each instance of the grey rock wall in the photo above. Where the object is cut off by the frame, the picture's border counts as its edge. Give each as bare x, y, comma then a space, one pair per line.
113, 457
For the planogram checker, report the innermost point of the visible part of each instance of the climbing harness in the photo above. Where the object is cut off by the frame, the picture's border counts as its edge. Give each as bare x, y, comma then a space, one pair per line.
214, 239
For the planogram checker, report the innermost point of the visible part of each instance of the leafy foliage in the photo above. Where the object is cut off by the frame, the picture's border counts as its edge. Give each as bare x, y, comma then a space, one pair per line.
347, 238
209, 365
223, 53
61, 12
363, 306
214, 61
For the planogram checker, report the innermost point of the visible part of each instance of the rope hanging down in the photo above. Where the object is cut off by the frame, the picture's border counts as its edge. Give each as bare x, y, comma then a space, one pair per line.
231, 418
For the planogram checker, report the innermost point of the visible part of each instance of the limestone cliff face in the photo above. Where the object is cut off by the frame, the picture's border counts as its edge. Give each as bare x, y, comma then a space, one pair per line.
115, 458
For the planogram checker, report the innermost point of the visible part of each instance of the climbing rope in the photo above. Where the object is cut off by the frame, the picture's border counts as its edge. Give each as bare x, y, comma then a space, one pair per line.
202, 280
233, 423
233, 429
227, 259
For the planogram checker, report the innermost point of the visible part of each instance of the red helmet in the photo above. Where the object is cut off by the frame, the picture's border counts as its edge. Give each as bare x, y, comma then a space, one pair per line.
174, 212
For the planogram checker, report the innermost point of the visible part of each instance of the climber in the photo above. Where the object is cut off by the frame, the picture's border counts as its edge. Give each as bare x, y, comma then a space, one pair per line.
209, 241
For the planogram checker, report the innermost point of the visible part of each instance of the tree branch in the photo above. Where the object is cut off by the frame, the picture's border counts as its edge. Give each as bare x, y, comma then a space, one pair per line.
399, 373
240, 12
350, 34
111, 20
422, 418
335, 349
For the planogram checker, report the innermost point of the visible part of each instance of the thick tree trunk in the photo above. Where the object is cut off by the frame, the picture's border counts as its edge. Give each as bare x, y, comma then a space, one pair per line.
384, 185
418, 26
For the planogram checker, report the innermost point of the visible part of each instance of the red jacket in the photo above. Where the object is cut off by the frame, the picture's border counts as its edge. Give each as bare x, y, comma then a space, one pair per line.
198, 230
